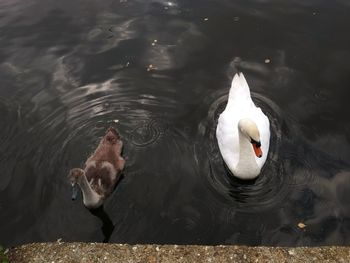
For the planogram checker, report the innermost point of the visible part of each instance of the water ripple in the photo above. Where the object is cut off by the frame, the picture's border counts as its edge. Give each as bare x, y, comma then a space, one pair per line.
147, 133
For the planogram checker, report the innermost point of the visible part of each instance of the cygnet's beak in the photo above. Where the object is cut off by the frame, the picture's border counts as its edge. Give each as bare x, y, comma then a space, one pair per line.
74, 191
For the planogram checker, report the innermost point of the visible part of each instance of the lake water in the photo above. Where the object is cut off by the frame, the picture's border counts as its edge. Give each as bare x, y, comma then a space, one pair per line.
160, 72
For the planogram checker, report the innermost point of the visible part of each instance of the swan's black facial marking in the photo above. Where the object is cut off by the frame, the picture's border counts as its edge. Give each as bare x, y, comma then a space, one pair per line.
257, 144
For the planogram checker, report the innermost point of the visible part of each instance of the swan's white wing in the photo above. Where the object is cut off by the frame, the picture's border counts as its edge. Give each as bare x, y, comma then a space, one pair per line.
239, 91
227, 136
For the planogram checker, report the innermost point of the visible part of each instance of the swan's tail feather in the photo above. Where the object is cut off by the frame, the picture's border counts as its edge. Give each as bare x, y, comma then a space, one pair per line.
239, 87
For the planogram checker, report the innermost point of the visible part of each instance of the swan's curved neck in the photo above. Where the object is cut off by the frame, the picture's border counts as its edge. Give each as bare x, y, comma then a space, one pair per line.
247, 164
90, 198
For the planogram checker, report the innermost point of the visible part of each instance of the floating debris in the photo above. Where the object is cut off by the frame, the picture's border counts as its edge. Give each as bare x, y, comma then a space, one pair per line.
19, 111
127, 64
154, 42
151, 67
267, 60
115, 121
301, 225
206, 19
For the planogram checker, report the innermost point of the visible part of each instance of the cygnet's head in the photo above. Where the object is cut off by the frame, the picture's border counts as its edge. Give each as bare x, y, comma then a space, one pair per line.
249, 129
111, 137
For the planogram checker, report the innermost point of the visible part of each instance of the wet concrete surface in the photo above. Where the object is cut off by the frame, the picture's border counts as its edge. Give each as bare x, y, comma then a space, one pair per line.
98, 252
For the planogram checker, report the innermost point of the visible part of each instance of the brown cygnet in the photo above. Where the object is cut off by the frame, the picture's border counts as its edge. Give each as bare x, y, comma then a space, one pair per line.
102, 171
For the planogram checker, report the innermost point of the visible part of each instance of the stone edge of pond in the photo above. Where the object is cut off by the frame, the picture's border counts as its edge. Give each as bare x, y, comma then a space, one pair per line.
56, 252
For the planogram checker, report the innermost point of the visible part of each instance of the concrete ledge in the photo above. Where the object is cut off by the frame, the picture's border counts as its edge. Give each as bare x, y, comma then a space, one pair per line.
97, 252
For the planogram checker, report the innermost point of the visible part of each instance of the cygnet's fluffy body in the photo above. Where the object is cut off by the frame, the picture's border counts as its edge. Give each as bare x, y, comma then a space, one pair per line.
102, 170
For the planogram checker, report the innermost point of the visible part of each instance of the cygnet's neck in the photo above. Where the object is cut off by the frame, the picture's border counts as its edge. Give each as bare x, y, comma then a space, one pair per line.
247, 168
90, 198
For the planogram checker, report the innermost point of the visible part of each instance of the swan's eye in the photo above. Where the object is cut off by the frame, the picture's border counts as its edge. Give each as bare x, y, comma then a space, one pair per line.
257, 144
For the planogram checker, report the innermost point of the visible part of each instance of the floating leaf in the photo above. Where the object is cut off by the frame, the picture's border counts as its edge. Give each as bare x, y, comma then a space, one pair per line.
301, 225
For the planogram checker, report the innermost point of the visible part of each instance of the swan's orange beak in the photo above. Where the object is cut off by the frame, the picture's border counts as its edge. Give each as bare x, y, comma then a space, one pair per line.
257, 150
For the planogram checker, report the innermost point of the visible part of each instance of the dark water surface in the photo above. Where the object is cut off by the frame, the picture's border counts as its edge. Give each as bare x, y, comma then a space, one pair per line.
160, 72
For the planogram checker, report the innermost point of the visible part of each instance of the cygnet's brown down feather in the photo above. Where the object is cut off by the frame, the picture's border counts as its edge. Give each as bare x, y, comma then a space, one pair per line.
104, 167
103, 177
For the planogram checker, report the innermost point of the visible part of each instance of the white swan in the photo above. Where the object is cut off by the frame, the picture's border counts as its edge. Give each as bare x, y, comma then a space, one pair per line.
102, 171
243, 132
